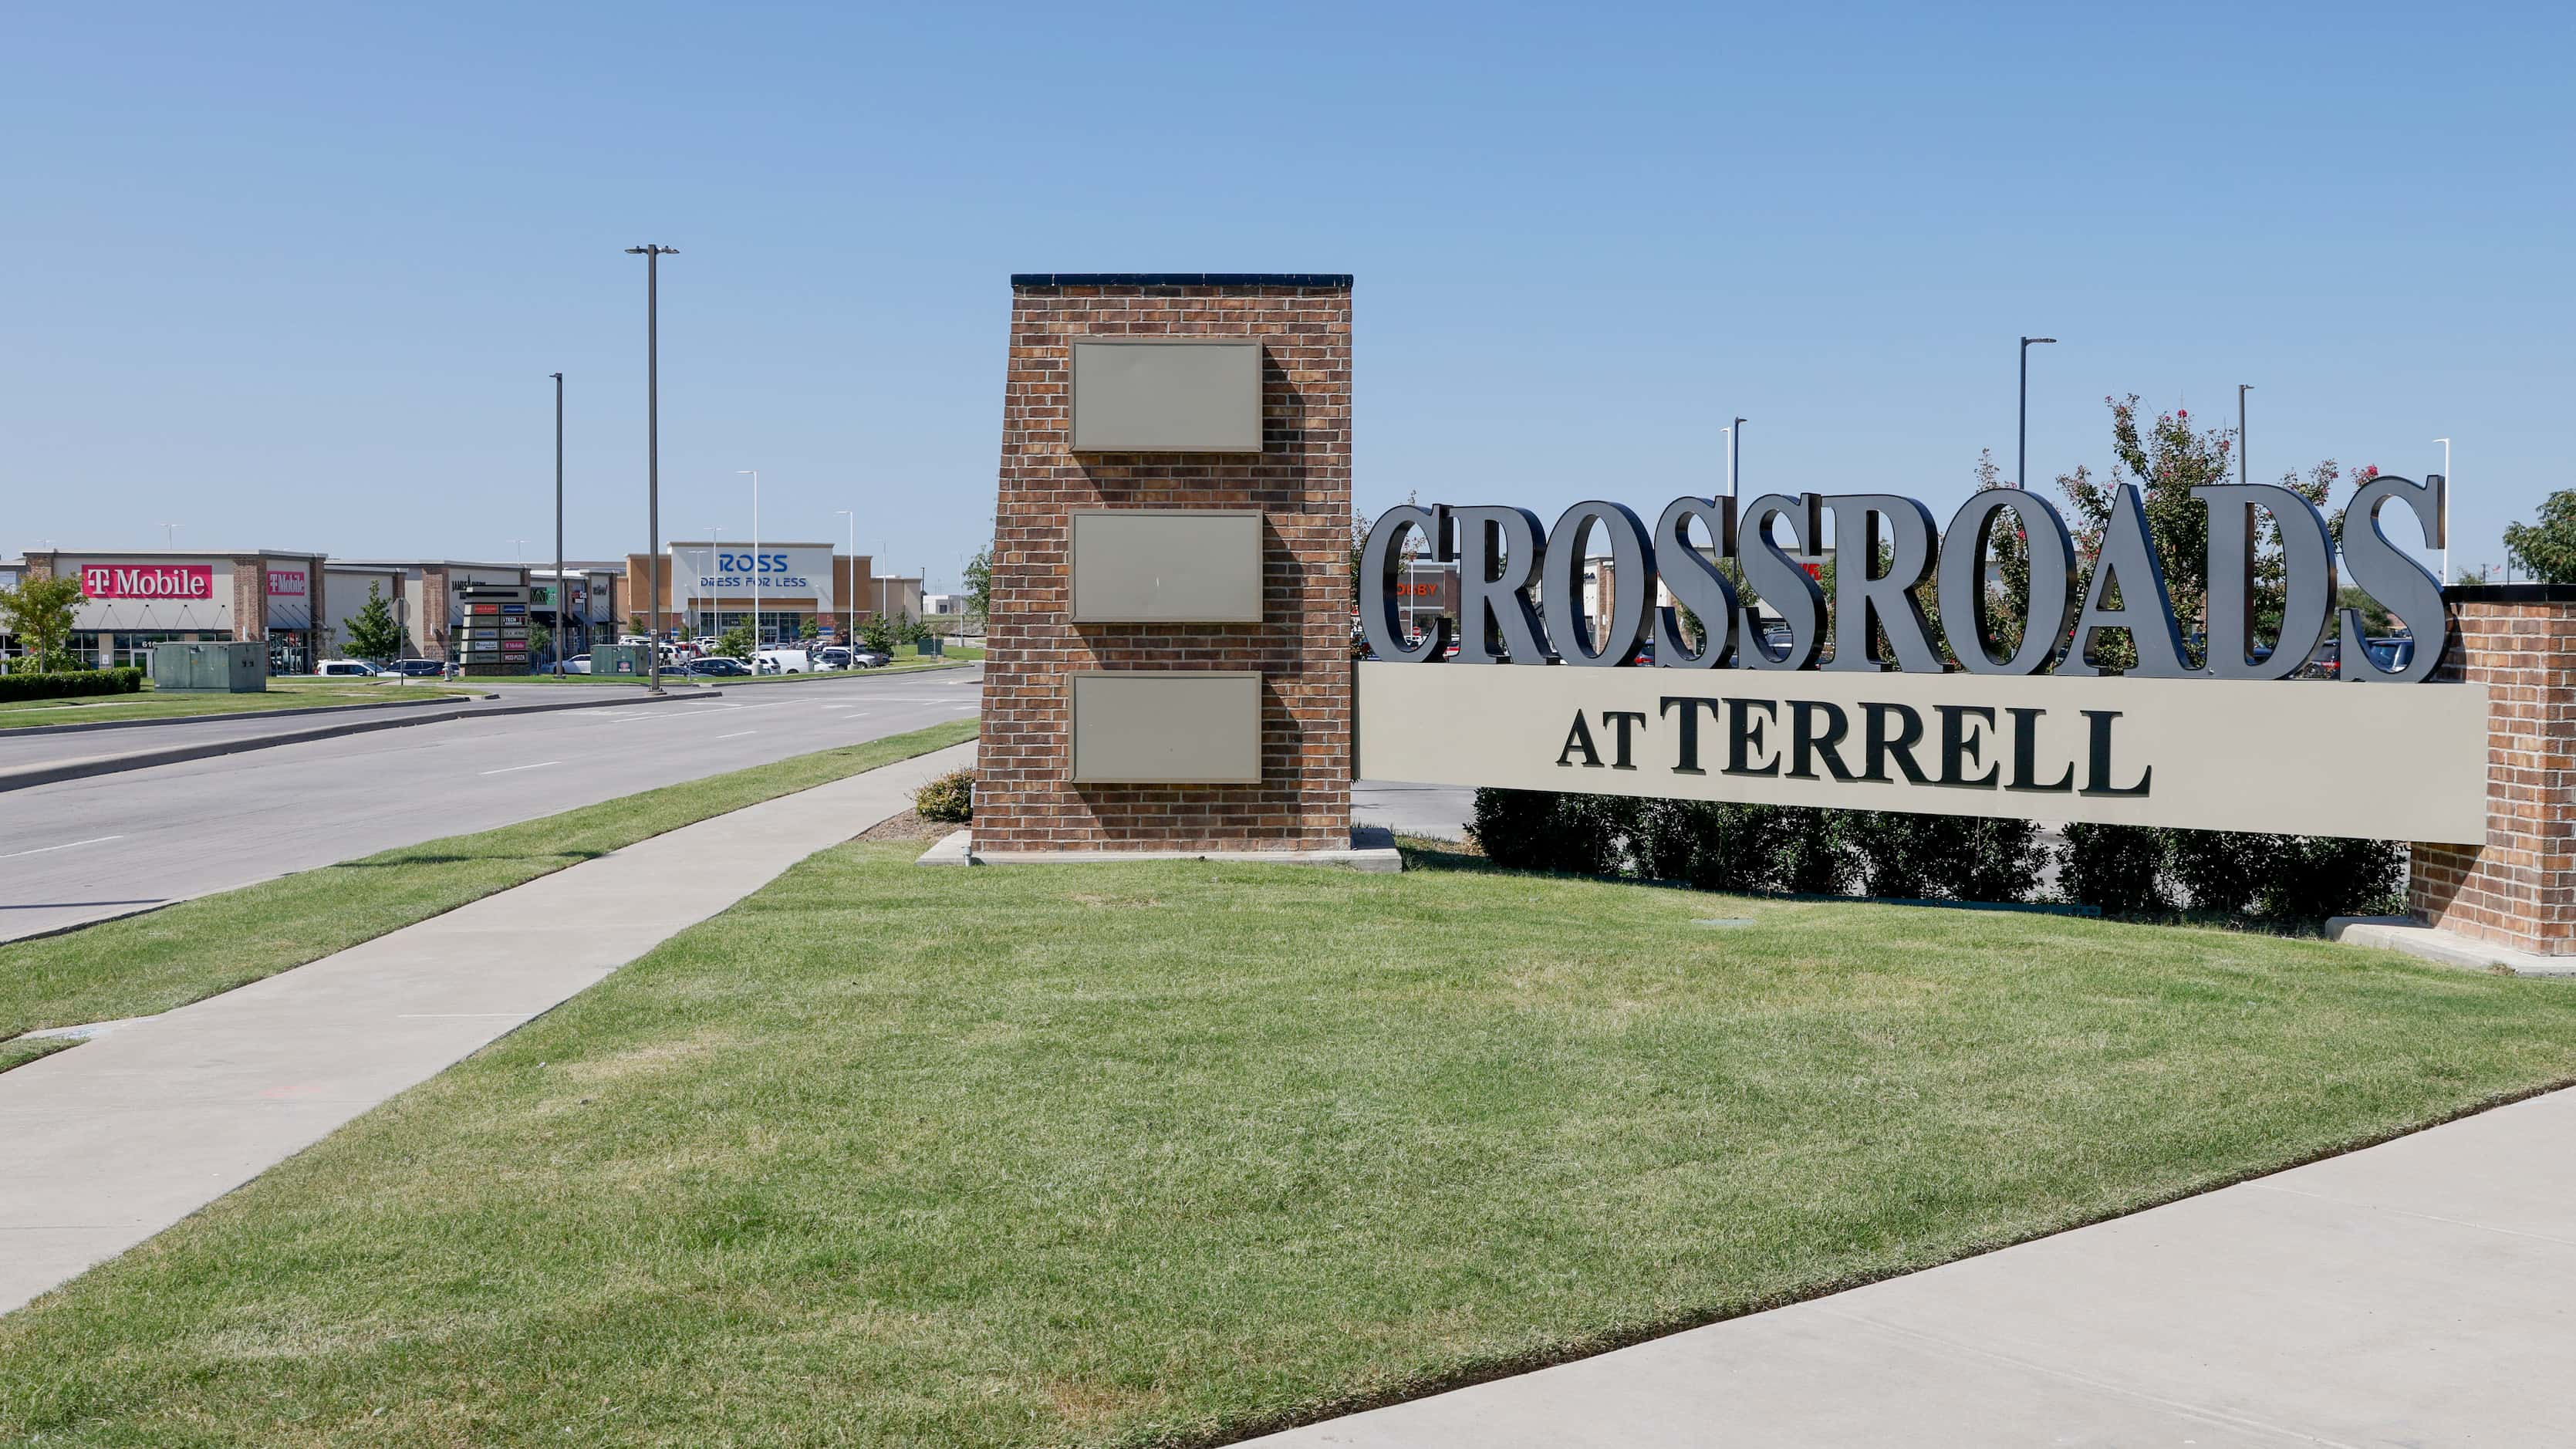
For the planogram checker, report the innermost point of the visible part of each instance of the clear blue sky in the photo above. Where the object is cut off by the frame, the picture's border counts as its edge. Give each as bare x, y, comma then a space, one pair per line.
294, 277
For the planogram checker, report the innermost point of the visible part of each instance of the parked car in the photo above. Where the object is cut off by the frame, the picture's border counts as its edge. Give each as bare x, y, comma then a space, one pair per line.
346, 669
872, 658
784, 661
716, 666
578, 664
417, 668
2392, 653
833, 657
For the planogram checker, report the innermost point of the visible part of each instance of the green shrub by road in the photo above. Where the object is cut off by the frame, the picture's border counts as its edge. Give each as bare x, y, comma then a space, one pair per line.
1165, 1153
151, 963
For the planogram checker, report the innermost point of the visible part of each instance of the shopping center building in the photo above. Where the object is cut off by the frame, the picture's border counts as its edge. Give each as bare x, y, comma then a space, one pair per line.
709, 587
135, 600
301, 604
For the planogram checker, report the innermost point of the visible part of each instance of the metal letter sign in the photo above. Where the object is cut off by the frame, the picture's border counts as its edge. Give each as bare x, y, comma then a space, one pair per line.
2188, 734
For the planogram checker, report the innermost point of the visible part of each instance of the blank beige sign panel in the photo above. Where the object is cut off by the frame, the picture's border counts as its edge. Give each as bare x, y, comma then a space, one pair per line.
1164, 566
2296, 757
1167, 397
1156, 728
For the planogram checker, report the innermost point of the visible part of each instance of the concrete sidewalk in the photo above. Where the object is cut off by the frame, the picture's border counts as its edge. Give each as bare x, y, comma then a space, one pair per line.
108, 1143
2420, 1292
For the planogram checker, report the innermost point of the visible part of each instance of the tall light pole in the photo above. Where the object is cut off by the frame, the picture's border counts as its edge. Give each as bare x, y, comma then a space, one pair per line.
169, 535
563, 591
2242, 460
850, 640
756, 640
715, 550
1734, 451
2021, 452
652, 253
2446, 510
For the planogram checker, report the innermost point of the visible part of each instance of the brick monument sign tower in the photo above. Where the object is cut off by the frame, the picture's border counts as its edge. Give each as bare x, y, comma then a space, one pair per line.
1169, 666
2518, 889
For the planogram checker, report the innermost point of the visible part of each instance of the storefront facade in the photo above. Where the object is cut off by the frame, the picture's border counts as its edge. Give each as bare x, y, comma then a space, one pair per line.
135, 600
710, 587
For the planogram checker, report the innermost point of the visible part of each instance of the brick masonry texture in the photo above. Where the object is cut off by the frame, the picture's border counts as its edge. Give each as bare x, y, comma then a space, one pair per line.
1301, 481
2519, 889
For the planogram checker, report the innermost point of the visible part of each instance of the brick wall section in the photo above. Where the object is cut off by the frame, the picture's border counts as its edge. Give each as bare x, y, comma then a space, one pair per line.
250, 598
2519, 889
1301, 480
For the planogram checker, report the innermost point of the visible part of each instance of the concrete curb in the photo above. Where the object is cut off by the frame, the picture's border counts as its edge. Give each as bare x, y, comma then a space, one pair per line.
2409, 937
181, 754
1372, 852
20, 732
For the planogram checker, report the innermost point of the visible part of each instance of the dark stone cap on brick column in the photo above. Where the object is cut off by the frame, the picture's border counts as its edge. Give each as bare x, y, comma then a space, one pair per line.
1180, 279
2511, 593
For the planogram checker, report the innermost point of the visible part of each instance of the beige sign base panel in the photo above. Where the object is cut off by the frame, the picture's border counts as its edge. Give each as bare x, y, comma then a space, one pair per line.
2296, 757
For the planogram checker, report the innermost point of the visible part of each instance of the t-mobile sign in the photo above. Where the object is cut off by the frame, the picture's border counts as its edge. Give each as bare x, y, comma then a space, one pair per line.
148, 581
289, 582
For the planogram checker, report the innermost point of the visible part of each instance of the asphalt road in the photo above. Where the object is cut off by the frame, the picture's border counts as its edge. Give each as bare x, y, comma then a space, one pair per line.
85, 850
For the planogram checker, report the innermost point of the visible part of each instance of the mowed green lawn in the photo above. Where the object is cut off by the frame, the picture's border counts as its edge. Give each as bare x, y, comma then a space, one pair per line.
1165, 1153
152, 704
150, 963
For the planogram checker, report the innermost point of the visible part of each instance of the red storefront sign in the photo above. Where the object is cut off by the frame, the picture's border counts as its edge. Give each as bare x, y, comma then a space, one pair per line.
148, 581
287, 582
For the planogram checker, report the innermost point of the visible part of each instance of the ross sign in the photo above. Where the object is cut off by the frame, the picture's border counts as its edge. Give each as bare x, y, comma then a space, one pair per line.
713, 573
1775, 698
148, 581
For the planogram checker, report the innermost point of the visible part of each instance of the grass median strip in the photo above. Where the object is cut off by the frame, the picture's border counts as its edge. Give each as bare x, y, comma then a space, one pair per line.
152, 704
1165, 1153
151, 963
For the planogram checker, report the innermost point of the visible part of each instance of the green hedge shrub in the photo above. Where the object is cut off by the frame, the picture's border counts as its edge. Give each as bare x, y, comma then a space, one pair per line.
2135, 870
2120, 869
1733, 847
1945, 857
2123, 870
1757, 848
70, 684
949, 798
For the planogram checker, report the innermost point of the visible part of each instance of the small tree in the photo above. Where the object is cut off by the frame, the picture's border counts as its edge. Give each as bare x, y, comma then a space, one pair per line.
979, 586
877, 634
40, 612
2546, 547
540, 640
737, 642
374, 632
909, 629
810, 632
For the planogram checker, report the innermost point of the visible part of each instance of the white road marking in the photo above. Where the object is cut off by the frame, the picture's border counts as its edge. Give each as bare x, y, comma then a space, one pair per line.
42, 849
737, 734
514, 769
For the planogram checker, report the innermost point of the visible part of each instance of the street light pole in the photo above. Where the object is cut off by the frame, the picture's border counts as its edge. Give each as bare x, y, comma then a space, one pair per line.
562, 593
850, 638
2446, 510
652, 253
1734, 451
2243, 461
755, 565
2021, 452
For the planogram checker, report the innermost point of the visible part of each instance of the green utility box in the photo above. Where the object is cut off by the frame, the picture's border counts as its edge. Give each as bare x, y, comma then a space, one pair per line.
930, 646
629, 659
236, 668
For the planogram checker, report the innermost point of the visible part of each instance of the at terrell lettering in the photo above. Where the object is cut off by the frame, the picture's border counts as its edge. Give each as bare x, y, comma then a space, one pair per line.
1783, 737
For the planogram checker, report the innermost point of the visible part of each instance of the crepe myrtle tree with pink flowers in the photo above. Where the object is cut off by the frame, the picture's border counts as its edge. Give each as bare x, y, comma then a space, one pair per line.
2165, 459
